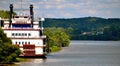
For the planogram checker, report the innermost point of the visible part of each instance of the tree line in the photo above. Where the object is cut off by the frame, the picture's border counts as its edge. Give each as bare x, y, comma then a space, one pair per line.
88, 28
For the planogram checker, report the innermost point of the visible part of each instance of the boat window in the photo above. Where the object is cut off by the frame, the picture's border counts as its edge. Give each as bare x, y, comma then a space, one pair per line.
22, 34
15, 42
25, 34
16, 34
16, 16
19, 42
29, 34
13, 34
25, 42
19, 34
21, 25
28, 42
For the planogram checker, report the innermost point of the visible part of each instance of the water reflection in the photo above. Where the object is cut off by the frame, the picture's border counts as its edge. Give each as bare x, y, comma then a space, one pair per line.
37, 60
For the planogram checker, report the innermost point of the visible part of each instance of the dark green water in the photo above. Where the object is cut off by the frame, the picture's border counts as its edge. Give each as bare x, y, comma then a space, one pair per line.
81, 53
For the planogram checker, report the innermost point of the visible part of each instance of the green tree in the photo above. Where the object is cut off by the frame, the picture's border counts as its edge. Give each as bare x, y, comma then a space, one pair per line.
8, 52
5, 14
57, 38
112, 33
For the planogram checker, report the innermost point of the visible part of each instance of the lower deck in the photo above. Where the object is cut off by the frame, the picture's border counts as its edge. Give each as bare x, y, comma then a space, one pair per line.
32, 50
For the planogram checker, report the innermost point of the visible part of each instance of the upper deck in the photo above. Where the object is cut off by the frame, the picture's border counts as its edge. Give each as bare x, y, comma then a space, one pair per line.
21, 20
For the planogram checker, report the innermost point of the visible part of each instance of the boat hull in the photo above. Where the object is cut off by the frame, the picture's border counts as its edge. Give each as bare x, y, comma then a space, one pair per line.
32, 51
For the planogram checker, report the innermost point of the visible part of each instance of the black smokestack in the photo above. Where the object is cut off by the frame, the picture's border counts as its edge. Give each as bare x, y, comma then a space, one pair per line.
11, 12
31, 14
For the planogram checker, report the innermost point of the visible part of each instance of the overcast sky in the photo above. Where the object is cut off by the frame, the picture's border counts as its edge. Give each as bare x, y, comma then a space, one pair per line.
67, 8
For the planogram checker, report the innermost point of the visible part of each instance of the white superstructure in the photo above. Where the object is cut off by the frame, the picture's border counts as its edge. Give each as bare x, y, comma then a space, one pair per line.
26, 34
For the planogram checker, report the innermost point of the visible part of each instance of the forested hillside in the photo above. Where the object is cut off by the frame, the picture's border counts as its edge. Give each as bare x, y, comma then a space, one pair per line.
88, 28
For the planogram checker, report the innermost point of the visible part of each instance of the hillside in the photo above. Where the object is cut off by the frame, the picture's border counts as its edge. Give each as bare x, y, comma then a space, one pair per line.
88, 28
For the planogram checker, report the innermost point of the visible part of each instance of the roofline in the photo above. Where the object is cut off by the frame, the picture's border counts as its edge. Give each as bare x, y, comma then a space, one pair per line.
22, 29
22, 23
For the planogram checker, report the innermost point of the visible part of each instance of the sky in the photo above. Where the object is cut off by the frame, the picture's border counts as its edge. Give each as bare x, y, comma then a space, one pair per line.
66, 8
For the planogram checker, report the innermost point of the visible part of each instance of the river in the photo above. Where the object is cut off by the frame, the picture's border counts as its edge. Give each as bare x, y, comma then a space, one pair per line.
81, 53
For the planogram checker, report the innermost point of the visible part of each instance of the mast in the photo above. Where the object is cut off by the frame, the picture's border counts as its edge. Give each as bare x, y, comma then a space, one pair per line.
11, 12
31, 14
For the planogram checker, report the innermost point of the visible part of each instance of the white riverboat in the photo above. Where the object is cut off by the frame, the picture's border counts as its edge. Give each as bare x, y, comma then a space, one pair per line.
26, 33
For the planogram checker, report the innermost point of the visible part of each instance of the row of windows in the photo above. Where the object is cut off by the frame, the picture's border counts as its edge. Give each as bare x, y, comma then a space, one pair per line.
21, 34
22, 42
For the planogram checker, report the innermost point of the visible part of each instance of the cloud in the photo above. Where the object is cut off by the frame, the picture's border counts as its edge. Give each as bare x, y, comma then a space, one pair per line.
50, 15
68, 15
69, 8
92, 11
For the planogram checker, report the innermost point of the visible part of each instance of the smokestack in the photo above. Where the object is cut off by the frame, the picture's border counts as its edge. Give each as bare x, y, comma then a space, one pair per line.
11, 12
31, 14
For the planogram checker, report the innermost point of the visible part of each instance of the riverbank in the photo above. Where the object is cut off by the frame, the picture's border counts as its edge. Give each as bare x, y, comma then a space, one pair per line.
55, 49
16, 61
